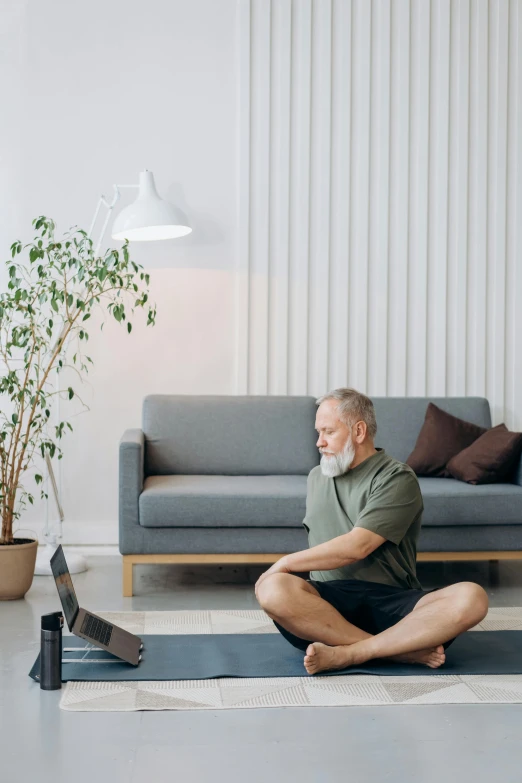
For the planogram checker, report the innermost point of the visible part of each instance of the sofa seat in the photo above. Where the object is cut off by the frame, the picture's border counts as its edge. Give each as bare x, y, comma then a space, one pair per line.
451, 502
280, 501
223, 501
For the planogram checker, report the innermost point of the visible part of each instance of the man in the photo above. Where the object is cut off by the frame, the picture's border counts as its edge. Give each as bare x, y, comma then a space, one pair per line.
363, 517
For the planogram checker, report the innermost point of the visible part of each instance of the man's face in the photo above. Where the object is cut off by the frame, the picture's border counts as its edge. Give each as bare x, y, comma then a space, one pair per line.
335, 440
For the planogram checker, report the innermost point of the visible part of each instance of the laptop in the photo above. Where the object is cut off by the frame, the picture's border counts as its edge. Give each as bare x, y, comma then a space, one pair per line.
89, 626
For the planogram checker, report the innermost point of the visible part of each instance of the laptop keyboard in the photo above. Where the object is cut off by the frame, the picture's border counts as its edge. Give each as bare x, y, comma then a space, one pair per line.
97, 629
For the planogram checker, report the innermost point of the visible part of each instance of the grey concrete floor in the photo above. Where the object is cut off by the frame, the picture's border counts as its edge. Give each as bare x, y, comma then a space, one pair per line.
423, 743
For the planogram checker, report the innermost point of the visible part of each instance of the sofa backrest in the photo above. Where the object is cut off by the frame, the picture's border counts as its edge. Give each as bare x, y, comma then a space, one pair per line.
271, 435
229, 435
400, 419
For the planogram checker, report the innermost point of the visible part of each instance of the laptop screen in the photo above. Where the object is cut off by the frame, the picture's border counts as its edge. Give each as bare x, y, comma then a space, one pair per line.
65, 587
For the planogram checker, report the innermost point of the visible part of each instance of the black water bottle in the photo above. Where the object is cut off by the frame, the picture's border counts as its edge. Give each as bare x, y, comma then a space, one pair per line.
51, 651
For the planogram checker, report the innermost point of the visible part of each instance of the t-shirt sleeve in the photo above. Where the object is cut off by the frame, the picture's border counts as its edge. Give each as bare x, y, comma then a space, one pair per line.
393, 505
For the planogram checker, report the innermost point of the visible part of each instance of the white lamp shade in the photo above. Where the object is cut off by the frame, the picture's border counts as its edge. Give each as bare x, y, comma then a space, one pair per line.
150, 217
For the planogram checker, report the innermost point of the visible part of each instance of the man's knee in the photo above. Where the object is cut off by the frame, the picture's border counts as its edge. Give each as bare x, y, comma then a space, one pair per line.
275, 592
471, 603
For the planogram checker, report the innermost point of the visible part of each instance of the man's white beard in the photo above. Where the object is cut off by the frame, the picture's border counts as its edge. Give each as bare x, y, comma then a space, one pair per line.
336, 464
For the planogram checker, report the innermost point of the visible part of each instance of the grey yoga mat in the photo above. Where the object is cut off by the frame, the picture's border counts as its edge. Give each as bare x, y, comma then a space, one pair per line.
206, 656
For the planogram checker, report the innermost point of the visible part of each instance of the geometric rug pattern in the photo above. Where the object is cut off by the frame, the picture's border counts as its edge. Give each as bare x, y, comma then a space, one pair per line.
242, 693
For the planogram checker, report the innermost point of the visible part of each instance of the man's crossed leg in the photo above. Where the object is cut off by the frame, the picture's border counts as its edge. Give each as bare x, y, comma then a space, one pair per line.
418, 638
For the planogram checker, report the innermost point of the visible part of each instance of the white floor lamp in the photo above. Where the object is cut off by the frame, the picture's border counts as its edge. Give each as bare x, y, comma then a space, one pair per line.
147, 219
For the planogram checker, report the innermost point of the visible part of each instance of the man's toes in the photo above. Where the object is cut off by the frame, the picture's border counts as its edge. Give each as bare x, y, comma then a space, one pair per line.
310, 659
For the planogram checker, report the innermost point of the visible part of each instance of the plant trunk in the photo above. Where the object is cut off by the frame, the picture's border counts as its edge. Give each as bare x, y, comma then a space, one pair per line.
7, 518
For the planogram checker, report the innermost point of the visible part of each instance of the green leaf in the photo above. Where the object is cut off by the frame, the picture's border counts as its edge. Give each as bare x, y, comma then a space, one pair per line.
54, 305
38, 478
70, 300
71, 393
14, 418
129, 327
87, 315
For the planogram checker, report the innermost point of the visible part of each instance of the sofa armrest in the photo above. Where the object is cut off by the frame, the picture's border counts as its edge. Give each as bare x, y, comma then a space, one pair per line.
131, 475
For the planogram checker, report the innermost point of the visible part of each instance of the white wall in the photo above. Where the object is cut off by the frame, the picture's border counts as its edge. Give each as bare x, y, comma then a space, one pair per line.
353, 172
92, 94
381, 194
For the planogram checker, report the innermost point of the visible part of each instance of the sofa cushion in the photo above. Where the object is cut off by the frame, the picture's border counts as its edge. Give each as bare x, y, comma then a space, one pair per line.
280, 501
223, 501
489, 459
451, 502
229, 435
400, 419
441, 437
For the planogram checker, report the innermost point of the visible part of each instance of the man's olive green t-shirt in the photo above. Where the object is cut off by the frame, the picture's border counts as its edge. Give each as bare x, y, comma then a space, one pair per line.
379, 494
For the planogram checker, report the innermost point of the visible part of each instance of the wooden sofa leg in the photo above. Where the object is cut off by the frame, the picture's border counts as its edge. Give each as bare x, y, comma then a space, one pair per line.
127, 576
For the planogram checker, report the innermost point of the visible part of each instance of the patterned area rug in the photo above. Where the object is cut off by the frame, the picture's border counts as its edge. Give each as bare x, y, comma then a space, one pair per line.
235, 693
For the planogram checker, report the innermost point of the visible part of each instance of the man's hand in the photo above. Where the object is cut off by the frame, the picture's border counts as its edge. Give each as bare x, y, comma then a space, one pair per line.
279, 567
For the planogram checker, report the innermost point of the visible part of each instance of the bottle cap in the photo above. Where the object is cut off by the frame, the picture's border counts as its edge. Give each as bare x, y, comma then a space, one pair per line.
52, 621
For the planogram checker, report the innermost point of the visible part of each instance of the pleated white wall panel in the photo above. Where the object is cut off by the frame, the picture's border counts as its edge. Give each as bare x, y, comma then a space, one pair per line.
380, 198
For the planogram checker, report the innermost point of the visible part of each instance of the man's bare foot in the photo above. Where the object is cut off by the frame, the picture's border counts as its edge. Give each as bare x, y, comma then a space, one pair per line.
320, 657
431, 657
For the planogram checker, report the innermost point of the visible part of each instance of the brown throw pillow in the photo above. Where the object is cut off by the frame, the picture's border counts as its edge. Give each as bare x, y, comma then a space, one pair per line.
442, 437
490, 458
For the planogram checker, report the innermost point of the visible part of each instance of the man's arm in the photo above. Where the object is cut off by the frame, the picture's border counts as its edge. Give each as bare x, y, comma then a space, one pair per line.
340, 551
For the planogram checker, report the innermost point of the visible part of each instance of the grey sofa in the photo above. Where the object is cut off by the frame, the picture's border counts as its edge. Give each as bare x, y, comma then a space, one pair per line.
222, 479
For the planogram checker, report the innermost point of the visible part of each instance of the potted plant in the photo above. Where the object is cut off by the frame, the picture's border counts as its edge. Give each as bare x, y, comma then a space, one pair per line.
48, 302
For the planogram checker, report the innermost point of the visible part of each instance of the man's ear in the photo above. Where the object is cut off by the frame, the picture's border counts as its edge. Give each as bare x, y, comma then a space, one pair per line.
360, 431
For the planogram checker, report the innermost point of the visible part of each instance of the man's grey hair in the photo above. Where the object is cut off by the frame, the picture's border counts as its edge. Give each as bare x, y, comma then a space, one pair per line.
353, 406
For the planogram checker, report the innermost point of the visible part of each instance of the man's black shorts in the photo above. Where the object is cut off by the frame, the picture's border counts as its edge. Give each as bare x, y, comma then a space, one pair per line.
370, 606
